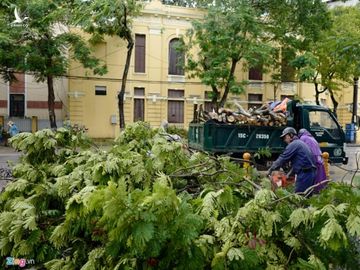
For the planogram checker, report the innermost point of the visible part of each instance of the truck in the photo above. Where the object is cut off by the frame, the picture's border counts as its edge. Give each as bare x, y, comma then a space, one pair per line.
237, 139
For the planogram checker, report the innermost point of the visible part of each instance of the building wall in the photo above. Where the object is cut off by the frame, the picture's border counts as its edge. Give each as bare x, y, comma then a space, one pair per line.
159, 23
345, 109
3, 98
36, 96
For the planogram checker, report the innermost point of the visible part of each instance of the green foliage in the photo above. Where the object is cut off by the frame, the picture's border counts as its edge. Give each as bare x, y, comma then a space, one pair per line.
102, 18
226, 36
183, 133
256, 34
148, 203
263, 152
45, 49
44, 39
330, 60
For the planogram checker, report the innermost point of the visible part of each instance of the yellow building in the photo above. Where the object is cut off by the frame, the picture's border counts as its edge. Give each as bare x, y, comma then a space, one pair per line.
156, 89
345, 97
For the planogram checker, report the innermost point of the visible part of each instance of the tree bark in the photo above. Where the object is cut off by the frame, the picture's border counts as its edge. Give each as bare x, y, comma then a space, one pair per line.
317, 93
276, 85
215, 97
51, 101
335, 103
121, 94
230, 79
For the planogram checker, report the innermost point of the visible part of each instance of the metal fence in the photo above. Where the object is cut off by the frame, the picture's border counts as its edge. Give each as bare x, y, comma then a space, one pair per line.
24, 124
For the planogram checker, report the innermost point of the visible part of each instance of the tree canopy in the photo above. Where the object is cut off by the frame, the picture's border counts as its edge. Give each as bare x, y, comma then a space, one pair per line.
35, 38
112, 18
253, 33
332, 61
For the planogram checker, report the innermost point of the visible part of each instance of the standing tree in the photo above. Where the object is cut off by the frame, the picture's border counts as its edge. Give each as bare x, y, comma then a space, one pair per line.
333, 62
226, 36
9, 47
253, 33
112, 18
38, 31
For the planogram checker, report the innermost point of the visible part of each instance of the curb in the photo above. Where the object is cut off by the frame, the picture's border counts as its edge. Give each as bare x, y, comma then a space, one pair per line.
352, 145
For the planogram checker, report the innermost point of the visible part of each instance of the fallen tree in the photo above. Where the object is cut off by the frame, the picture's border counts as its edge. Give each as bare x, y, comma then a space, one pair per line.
148, 203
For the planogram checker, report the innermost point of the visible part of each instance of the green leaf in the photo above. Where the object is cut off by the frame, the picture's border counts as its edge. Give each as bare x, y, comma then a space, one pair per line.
353, 225
235, 254
301, 216
332, 235
316, 262
263, 197
30, 223
293, 242
142, 233
218, 262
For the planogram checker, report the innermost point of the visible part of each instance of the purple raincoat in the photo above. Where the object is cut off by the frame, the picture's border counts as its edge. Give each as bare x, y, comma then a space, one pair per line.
307, 138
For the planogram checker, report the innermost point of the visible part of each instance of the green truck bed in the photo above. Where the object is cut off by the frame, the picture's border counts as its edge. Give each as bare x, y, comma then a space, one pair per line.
236, 139
228, 138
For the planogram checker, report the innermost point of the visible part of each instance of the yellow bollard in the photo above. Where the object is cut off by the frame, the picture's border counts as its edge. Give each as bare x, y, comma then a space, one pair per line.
246, 157
325, 156
34, 124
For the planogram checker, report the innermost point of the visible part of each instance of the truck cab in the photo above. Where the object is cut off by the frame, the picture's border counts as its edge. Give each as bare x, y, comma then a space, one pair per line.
323, 125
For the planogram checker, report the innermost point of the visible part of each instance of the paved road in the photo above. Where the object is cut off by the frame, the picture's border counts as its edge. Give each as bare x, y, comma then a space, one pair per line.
7, 156
7, 153
349, 171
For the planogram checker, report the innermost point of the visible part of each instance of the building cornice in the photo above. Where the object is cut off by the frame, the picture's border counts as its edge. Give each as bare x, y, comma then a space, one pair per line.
157, 9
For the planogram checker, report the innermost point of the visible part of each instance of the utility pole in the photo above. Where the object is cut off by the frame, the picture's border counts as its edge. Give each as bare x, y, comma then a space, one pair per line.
355, 100
355, 105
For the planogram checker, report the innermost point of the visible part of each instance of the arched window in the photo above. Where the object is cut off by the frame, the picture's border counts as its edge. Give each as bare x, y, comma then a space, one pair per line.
176, 58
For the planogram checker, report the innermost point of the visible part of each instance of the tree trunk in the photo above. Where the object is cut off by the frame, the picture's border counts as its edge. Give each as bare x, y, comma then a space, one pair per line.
215, 97
124, 79
276, 85
317, 93
230, 79
51, 101
335, 103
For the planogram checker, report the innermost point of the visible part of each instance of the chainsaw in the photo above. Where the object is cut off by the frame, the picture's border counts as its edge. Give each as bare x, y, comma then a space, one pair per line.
280, 179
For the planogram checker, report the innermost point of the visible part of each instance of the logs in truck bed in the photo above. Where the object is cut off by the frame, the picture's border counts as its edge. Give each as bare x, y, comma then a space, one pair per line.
263, 116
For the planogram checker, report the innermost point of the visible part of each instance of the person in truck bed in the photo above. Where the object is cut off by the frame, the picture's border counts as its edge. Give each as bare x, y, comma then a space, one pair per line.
301, 158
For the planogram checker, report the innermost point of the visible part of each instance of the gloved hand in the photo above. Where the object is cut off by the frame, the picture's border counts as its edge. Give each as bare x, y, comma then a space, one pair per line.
268, 172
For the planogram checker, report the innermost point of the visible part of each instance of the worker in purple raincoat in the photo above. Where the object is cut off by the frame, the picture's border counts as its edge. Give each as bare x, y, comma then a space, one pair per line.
307, 138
